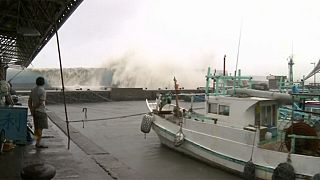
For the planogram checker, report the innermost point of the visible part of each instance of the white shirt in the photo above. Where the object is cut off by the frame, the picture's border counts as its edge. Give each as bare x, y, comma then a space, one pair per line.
38, 96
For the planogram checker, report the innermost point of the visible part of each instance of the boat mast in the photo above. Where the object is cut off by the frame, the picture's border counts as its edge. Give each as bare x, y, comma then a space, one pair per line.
224, 65
176, 86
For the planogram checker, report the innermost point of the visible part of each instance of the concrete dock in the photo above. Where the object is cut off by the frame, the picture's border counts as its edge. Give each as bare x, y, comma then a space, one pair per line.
69, 164
84, 160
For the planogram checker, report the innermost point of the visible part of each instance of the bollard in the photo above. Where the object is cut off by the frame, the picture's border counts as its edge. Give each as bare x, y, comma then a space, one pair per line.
38, 171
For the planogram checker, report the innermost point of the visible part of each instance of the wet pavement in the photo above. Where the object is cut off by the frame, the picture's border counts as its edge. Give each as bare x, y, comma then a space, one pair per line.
69, 164
109, 163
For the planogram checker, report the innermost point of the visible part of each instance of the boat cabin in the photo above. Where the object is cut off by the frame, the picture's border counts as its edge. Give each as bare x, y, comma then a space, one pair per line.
244, 113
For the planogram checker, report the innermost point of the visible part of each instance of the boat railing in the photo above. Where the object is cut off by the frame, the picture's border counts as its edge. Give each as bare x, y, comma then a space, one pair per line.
223, 83
308, 116
300, 109
300, 112
295, 136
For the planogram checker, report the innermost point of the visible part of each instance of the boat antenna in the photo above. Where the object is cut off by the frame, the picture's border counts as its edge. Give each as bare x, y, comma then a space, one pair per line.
224, 65
239, 43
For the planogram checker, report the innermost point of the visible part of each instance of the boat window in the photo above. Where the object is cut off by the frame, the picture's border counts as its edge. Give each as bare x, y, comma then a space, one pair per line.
268, 116
257, 114
224, 110
213, 108
274, 115
264, 118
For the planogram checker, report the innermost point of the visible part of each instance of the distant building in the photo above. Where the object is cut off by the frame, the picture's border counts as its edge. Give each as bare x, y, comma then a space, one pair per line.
274, 81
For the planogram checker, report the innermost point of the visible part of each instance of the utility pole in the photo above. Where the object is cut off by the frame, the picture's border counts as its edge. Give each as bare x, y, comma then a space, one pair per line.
314, 76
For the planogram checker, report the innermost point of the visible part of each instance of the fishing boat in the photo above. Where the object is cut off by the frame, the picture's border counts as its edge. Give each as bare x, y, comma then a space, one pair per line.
240, 131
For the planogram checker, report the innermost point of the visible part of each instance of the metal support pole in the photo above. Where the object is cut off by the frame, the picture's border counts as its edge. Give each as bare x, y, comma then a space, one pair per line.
293, 143
208, 82
216, 89
3, 71
62, 82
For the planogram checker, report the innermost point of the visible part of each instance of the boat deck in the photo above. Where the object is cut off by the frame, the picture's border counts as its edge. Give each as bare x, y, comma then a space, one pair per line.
274, 145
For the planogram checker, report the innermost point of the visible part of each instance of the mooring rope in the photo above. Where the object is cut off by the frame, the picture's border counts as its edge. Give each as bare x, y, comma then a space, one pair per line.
80, 106
254, 140
105, 119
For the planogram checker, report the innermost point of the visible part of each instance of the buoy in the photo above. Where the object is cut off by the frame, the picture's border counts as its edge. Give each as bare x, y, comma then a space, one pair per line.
38, 171
316, 177
284, 171
249, 171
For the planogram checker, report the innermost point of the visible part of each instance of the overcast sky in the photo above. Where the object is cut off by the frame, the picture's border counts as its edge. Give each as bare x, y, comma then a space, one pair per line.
190, 34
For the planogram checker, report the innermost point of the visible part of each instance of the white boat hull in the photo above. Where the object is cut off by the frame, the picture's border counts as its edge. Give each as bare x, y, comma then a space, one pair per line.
231, 155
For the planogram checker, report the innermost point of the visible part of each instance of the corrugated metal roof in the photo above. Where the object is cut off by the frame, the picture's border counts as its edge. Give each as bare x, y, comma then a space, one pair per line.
27, 25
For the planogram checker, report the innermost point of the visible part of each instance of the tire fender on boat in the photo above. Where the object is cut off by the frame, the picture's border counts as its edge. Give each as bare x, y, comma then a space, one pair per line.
284, 171
178, 139
146, 123
249, 171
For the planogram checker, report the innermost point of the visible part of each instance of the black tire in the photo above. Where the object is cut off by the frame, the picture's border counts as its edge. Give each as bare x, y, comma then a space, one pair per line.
284, 171
249, 171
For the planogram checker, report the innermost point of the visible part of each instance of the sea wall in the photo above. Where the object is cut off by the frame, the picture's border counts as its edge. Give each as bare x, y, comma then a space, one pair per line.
114, 94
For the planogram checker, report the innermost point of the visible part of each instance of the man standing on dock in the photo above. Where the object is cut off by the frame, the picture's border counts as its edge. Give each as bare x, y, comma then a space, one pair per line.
37, 107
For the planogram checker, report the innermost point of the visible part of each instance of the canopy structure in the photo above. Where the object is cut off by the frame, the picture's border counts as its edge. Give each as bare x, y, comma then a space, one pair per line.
314, 71
27, 25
